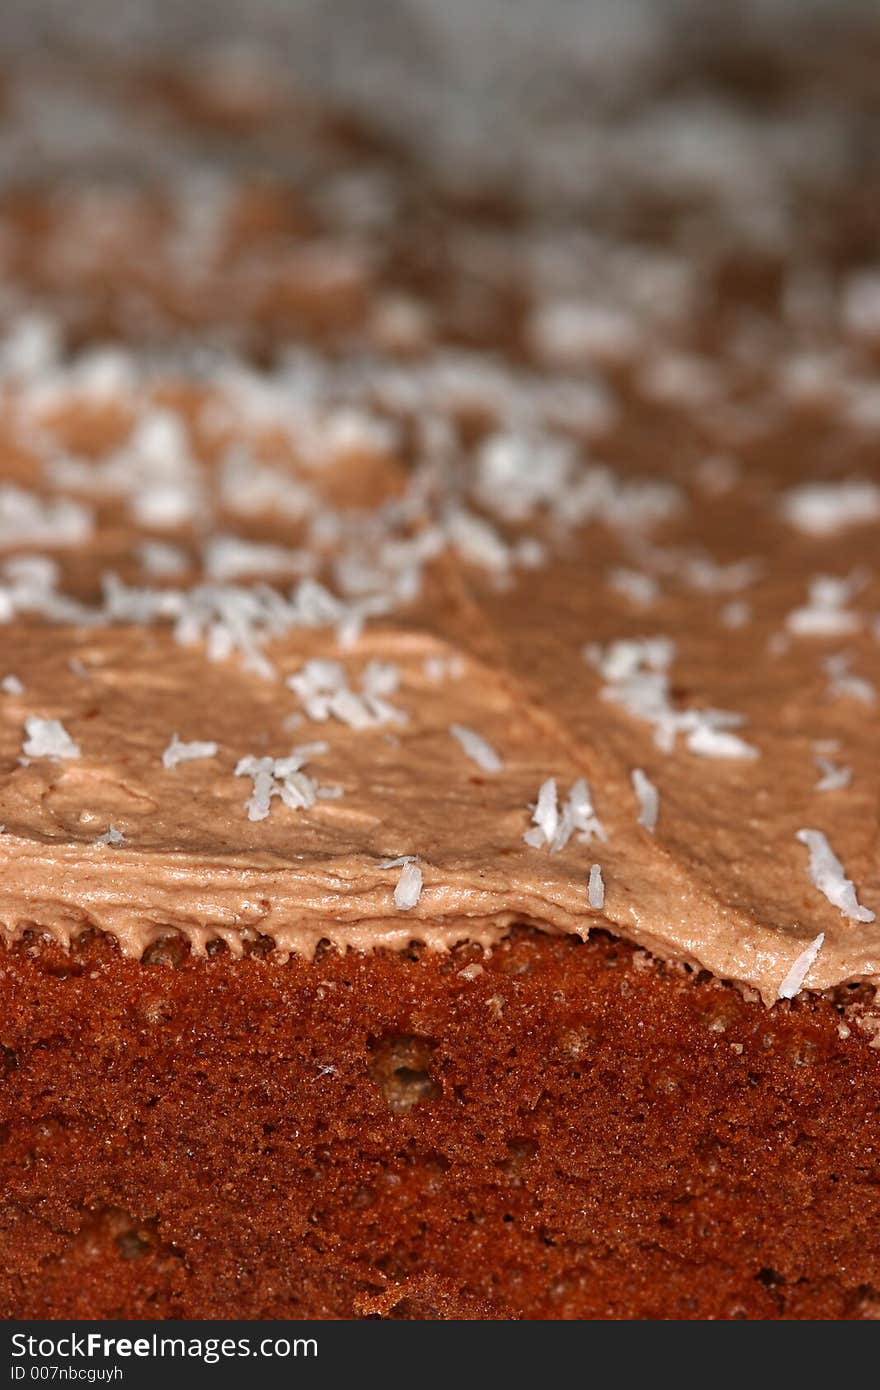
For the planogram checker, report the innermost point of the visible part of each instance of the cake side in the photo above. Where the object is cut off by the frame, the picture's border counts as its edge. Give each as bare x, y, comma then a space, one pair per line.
556, 1130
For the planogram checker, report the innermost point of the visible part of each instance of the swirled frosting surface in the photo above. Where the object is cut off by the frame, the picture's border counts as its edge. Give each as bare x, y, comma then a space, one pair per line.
530, 578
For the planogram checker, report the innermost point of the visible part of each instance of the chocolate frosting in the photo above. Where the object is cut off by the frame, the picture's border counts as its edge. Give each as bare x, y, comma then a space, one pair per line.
507, 650
510, 439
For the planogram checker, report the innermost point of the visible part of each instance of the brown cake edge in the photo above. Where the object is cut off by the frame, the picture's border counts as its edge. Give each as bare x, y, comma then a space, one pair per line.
557, 1129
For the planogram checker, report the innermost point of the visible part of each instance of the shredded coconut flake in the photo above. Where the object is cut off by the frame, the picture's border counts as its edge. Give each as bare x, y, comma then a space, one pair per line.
842, 684
409, 886
821, 509
440, 668
229, 619
48, 738
570, 332
636, 672
793, 982
736, 614
476, 748
161, 559
708, 741
553, 828
648, 799
825, 614
113, 836
545, 816
325, 693
228, 558
596, 888
707, 576
477, 541
283, 777
640, 588
26, 519
250, 488
178, 752
861, 304
828, 876
834, 777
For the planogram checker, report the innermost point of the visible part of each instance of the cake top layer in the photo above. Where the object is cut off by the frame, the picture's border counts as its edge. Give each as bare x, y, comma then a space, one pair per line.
269, 636
528, 578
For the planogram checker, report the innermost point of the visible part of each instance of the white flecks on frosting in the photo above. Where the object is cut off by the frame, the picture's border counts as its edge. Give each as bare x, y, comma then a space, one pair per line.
112, 836
843, 684
641, 589
487, 449
477, 542
821, 509
27, 519
178, 752
440, 668
636, 672
707, 576
228, 619
161, 559
409, 886
679, 378
552, 827
48, 738
829, 878
810, 378
227, 558
569, 332
11, 685
31, 345
545, 816
476, 748
325, 693
860, 309
825, 613
156, 469
523, 473
153, 470
282, 777
596, 888
736, 614
694, 567
803, 964
709, 740
648, 798
530, 464
834, 777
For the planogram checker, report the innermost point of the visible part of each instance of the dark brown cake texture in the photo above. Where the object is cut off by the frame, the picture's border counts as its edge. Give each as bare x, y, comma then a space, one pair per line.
560, 1130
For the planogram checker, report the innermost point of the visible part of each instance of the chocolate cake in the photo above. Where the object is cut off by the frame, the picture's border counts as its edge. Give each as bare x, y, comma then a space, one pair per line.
438, 737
